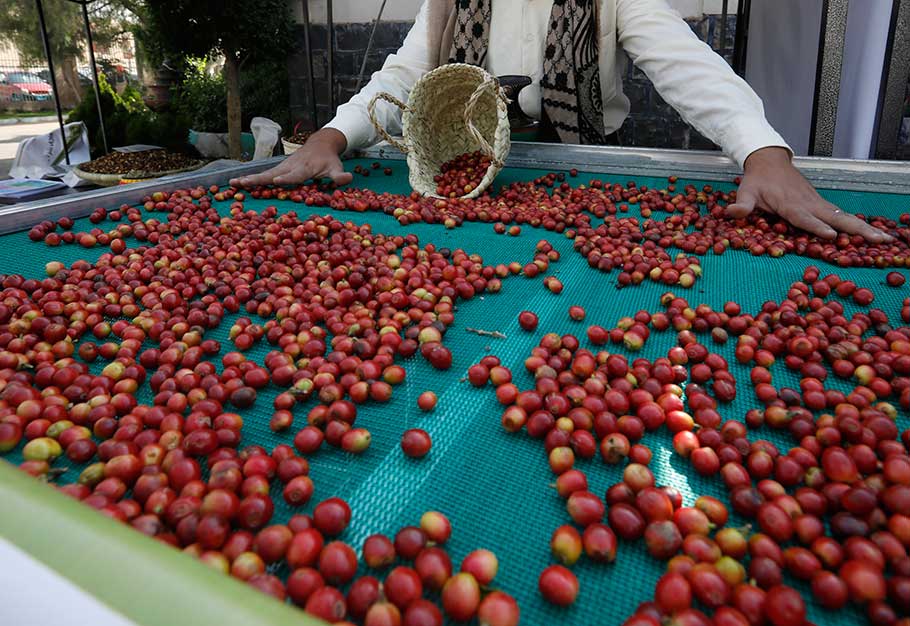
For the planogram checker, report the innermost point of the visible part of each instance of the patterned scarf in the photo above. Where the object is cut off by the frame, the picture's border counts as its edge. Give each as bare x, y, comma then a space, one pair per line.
570, 87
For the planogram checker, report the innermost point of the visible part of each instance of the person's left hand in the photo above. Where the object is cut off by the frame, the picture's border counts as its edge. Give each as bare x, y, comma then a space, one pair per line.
771, 182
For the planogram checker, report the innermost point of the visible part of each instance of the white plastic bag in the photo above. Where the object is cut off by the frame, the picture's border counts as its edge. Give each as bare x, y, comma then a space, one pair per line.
42, 155
210, 145
266, 133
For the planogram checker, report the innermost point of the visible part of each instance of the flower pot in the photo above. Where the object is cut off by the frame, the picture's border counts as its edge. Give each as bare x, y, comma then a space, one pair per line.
157, 87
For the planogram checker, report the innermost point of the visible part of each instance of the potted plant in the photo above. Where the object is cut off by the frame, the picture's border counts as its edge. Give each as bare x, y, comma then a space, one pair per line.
237, 31
157, 86
201, 98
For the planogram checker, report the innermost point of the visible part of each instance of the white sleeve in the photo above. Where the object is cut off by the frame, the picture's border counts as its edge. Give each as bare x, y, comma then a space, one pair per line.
397, 76
695, 80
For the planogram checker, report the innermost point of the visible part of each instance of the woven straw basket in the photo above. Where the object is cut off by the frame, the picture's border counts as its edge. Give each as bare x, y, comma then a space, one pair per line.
454, 109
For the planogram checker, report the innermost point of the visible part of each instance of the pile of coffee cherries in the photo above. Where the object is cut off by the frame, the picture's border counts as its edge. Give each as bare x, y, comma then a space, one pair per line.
341, 304
832, 510
639, 248
321, 565
461, 175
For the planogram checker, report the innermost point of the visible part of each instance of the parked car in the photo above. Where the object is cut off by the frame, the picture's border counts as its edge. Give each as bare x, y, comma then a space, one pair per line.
18, 86
85, 80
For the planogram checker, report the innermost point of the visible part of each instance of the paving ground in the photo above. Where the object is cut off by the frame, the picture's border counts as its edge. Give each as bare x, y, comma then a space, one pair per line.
11, 135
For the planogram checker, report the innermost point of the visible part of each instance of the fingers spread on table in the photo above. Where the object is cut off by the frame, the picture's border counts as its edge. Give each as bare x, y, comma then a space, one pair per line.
852, 225
263, 178
338, 175
295, 176
745, 203
805, 218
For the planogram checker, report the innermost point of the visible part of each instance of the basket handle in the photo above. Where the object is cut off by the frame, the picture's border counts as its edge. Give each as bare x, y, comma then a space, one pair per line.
491, 83
371, 110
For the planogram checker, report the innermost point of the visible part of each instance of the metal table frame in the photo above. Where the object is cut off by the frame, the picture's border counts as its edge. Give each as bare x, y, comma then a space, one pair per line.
825, 173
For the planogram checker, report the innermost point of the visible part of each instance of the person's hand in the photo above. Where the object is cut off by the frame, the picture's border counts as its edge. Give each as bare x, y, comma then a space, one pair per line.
317, 158
772, 183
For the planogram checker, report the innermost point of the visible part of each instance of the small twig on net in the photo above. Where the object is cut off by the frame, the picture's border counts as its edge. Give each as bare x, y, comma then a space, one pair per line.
486, 333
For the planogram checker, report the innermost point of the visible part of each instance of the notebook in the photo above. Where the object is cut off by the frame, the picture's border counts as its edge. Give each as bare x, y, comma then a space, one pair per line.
20, 189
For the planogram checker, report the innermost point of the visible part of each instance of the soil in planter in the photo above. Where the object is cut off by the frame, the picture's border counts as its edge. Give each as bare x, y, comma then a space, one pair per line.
147, 161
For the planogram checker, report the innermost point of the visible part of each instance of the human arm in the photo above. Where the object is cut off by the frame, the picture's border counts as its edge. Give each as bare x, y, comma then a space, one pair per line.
706, 92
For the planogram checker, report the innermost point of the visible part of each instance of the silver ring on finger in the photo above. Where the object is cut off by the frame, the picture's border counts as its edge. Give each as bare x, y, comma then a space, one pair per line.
837, 211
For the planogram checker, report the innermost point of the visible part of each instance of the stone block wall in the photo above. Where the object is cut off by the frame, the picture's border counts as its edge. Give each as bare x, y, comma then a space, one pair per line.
350, 48
652, 122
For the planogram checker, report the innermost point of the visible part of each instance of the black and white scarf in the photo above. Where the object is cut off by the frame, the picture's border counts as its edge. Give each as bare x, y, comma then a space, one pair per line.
570, 87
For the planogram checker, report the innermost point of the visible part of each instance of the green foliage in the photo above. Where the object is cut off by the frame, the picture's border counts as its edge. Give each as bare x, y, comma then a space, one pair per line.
114, 108
202, 28
264, 91
166, 129
201, 98
64, 25
127, 120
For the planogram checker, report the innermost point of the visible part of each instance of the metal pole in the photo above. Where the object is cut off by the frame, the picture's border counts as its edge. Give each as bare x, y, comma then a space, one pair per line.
91, 56
738, 37
50, 68
741, 37
308, 51
723, 27
894, 82
363, 66
330, 24
828, 76
747, 12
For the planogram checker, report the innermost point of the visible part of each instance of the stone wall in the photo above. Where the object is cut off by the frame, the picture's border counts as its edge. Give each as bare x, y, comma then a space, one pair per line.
350, 47
652, 122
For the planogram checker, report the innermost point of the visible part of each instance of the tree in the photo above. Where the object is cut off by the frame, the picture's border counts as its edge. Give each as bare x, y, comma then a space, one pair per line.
238, 30
66, 35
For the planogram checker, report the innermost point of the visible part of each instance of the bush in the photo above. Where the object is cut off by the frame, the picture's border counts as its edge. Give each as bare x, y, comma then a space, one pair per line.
264, 92
202, 99
128, 121
167, 129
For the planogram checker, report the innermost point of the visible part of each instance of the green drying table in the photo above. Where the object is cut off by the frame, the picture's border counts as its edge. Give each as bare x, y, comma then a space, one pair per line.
493, 485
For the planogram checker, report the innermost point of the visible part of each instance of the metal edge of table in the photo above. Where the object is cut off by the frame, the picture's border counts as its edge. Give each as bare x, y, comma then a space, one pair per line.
26, 214
144, 580
827, 173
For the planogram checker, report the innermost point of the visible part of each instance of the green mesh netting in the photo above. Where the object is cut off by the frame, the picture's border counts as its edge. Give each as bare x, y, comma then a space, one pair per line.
495, 486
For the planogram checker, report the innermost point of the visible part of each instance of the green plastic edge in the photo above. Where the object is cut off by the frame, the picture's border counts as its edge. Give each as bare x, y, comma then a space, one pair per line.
146, 581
